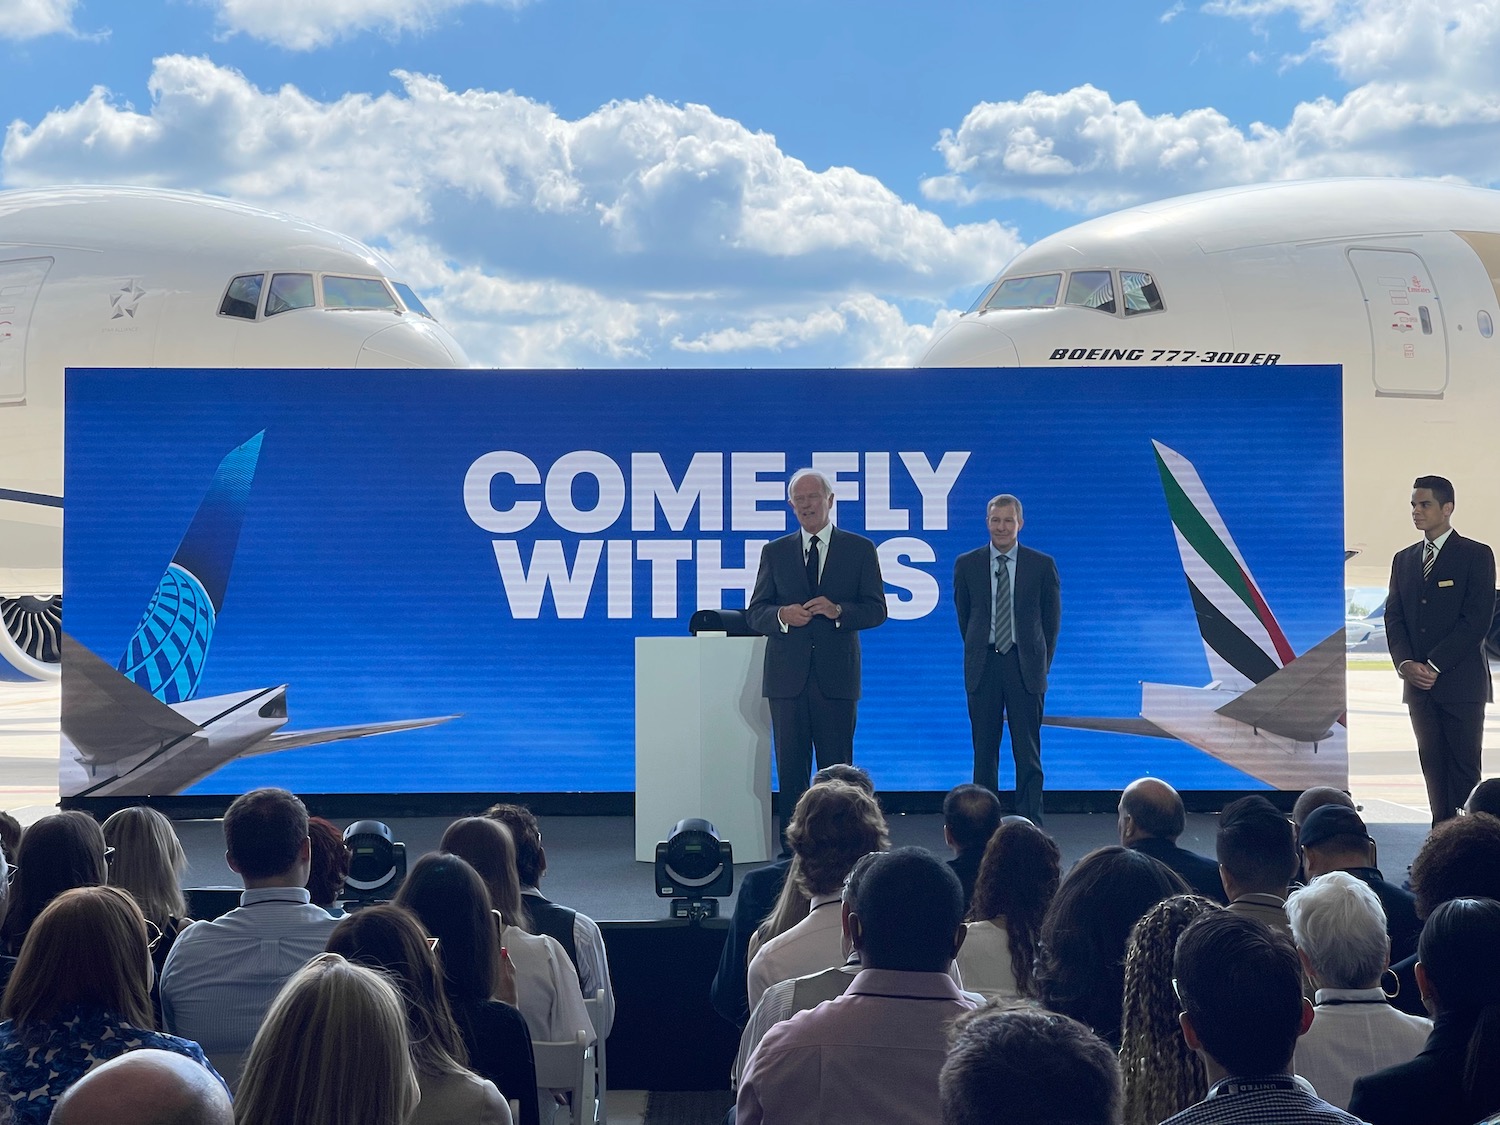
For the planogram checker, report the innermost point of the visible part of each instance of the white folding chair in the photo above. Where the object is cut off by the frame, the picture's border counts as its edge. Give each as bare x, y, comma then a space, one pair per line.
594, 1005
568, 1066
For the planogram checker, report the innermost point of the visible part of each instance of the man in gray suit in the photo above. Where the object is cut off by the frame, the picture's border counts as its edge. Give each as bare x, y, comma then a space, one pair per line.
815, 590
1009, 606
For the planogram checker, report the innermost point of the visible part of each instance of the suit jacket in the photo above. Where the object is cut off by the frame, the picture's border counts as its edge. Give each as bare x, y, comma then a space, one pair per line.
1038, 614
1428, 1089
1197, 871
828, 649
1444, 619
758, 892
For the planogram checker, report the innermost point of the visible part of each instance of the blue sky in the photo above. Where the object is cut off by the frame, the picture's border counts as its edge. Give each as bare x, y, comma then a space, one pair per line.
611, 183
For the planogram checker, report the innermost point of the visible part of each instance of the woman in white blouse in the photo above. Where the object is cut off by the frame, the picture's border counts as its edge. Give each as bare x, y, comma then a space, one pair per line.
1017, 878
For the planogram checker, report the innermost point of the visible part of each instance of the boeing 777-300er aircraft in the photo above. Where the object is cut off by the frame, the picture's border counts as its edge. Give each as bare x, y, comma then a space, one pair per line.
140, 728
135, 277
1397, 280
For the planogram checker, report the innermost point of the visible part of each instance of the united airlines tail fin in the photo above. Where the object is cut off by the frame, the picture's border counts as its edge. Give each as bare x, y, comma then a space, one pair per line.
1241, 637
166, 654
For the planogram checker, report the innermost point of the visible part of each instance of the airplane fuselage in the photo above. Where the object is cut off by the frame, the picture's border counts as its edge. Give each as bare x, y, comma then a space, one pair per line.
1395, 280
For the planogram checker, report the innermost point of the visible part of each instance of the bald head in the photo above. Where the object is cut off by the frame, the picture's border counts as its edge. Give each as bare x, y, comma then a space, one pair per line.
146, 1087
1316, 798
1150, 809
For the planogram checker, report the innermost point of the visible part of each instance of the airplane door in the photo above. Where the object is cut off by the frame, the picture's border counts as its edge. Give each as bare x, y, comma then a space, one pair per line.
20, 282
1408, 339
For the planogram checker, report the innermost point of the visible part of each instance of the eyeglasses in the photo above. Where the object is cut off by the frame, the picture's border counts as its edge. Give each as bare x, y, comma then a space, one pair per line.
153, 935
1177, 992
432, 944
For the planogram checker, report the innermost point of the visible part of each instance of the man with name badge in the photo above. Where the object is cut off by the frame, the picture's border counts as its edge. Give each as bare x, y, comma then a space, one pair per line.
1009, 606
816, 589
1437, 615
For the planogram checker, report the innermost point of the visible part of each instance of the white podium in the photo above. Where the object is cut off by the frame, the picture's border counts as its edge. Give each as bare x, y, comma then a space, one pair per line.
702, 741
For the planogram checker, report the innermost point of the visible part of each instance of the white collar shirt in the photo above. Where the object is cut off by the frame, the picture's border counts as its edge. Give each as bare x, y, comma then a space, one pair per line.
813, 944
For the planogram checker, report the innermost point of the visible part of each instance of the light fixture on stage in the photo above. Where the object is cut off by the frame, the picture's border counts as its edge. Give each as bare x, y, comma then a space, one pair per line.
694, 868
730, 622
377, 863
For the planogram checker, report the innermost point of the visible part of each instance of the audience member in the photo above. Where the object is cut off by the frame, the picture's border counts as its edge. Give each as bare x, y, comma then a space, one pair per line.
390, 939
1459, 859
57, 853
1242, 1010
1017, 879
1151, 818
148, 861
1257, 850
1456, 1078
577, 933
450, 900
1161, 1073
1340, 931
1485, 798
332, 1050
759, 892
222, 975
145, 1087
547, 989
7, 962
1316, 798
971, 813
874, 1053
833, 825
80, 994
10, 836
329, 866
1334, 838
1081, 969
1019, 1063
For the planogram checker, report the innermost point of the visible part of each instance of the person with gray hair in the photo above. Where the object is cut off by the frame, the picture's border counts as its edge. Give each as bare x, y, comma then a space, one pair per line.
816, 590
1339, 927
145, 1087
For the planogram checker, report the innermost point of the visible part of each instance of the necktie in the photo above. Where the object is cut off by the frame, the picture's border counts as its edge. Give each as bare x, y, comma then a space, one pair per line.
812, 565
1428, 558
1003, 624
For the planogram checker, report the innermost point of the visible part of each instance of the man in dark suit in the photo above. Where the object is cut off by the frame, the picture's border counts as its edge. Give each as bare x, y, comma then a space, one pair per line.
971, 814
1009, 608
1151, 817
1437, 614
815, 590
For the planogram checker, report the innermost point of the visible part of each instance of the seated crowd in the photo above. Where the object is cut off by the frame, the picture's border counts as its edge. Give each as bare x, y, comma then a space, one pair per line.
1284, 979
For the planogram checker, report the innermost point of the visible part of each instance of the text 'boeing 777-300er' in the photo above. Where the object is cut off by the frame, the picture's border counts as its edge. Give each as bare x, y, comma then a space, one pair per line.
135, 277
1397, 280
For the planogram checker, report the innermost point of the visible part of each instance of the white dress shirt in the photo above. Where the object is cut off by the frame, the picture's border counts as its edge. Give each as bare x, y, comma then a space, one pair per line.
984, 959
222, 975
1355, 1032
547, 991
813, 944
593, 965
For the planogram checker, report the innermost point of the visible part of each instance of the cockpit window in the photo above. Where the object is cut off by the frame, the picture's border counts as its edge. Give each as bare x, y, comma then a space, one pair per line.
242, 298
1092, 289
357, 293
411, 300
290, 291
1037, 291
1140, 292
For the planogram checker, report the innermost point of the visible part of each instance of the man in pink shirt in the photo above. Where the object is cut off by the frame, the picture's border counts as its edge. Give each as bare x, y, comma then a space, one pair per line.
874, 1053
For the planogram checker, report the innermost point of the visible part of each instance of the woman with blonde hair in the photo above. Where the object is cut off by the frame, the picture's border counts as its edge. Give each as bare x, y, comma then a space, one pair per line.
148, 861
1162, 1075
547, 989
391, 940
80, 994
332, 1050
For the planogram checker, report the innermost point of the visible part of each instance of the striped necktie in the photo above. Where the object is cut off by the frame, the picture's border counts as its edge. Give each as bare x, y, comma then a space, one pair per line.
1004, 630
1429, 556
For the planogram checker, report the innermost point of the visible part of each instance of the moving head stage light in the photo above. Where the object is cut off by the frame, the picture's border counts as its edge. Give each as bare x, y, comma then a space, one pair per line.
377, 863
694, 868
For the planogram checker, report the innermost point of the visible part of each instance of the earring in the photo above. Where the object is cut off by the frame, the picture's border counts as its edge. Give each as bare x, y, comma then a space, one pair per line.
1395, 989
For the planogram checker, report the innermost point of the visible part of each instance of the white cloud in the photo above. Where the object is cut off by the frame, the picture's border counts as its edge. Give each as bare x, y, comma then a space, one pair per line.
301, 25
643, 232
30, 19
1424, 100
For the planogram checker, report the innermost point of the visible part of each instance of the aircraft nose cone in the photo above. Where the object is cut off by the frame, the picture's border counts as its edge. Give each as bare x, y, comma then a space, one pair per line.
412, 343
969, 342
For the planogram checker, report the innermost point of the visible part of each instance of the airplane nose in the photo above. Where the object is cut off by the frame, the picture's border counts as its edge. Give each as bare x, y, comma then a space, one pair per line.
969, 342
412, 343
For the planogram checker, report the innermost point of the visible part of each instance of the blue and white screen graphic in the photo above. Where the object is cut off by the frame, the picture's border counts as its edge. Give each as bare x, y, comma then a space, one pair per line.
460, 562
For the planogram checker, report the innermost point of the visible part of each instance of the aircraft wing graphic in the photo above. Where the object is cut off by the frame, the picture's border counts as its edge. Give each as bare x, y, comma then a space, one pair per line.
1301, 701
292, 739
1103, 722
107, 717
